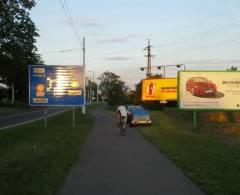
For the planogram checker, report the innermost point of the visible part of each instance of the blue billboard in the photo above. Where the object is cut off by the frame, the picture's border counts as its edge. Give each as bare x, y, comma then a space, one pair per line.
56, 85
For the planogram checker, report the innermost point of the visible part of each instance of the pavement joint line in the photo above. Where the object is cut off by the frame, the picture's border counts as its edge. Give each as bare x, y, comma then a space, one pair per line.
33, 120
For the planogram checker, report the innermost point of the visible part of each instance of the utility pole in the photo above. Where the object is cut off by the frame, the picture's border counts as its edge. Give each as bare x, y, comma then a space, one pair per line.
90, 86
84, 69
149, 59
90, 92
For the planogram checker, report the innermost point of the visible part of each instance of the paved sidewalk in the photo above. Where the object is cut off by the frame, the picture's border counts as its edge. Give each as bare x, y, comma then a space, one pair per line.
111, 164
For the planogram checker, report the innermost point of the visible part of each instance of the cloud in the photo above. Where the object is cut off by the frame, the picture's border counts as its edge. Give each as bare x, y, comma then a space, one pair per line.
118, 58
117, 40
87, 22
213, 61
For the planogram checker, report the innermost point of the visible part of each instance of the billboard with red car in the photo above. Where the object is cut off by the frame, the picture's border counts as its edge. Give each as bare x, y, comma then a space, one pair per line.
209, 90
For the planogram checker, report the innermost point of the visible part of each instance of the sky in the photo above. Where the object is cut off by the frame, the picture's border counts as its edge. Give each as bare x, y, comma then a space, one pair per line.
203, 35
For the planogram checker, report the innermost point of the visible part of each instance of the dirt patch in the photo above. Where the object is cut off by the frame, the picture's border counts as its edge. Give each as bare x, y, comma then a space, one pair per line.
214, 117
220, 116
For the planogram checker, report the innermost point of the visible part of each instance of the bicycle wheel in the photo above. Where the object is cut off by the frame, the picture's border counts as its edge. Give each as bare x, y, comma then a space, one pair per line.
120, 128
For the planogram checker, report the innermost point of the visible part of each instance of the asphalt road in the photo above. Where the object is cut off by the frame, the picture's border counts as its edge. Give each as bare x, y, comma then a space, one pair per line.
112, 164
26, 117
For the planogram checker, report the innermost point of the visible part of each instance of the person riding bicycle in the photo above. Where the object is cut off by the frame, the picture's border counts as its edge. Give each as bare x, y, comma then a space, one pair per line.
121, 114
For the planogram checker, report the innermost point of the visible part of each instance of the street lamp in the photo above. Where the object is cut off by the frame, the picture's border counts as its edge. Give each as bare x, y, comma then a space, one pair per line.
164, 70
92, 74
90, 88
177, 66
158, 67
181, 65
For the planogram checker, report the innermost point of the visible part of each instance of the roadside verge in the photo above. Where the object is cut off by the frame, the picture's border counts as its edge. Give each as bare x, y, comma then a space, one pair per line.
209, 160
35, 159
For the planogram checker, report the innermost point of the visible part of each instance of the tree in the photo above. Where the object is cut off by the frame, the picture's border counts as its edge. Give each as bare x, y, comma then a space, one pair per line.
232, 68
17, 44
112, 88
138, 96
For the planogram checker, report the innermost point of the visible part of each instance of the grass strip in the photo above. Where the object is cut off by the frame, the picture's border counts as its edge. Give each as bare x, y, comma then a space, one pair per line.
35, 159
203, 157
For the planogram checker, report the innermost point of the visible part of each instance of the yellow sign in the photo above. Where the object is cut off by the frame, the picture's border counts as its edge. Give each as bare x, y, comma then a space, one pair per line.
40, 100
39, 70
164, 89
74, 92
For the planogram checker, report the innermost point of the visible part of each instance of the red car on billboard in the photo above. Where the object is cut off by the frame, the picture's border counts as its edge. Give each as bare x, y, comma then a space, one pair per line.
201, 86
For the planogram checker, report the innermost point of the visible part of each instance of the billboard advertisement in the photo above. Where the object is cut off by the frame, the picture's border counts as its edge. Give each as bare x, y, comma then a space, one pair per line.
163, 89
210, 90
56, 85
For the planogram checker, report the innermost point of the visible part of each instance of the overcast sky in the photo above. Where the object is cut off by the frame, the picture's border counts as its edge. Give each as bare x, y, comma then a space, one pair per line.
201, 34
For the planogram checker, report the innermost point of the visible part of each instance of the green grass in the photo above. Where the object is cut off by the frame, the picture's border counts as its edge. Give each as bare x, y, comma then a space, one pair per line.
205, 157
35, 159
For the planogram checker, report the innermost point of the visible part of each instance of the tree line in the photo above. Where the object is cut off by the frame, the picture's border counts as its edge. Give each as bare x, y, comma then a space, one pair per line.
18, 35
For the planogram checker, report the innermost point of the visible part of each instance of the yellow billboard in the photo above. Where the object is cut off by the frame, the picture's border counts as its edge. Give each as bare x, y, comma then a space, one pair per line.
163, 89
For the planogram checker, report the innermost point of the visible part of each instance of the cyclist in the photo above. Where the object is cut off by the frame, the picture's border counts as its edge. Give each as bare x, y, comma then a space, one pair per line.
121, 114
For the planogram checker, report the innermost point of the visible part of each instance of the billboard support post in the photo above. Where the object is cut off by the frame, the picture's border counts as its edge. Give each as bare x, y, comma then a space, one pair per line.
45, 117
73, 117
194, 119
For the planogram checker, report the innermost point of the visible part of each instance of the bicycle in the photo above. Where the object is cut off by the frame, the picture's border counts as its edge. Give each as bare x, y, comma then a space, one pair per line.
122, 126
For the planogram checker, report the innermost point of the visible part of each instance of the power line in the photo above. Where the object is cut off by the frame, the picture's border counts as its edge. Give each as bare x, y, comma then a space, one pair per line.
61, 51
207, 18
74, 24
203, 34
211, 45
70, 19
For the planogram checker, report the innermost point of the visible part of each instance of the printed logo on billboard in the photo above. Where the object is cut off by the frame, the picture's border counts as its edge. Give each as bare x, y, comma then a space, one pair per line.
150, 89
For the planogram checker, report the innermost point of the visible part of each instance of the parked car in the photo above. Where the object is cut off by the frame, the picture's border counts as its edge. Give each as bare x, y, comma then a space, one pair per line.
138, 115
201, 86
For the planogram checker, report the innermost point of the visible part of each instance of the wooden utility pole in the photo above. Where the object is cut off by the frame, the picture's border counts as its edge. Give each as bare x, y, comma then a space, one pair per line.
149, 59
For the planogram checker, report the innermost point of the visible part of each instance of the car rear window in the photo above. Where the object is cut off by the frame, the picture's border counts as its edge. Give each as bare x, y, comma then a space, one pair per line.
136, 109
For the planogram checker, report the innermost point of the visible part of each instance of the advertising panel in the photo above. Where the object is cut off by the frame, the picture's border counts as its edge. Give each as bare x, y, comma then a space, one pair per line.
209, 90
163, 89
53, 85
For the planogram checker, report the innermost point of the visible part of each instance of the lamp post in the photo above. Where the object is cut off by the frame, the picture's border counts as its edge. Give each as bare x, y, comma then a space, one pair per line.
181, 65
90, 88
164, 68
158, 67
